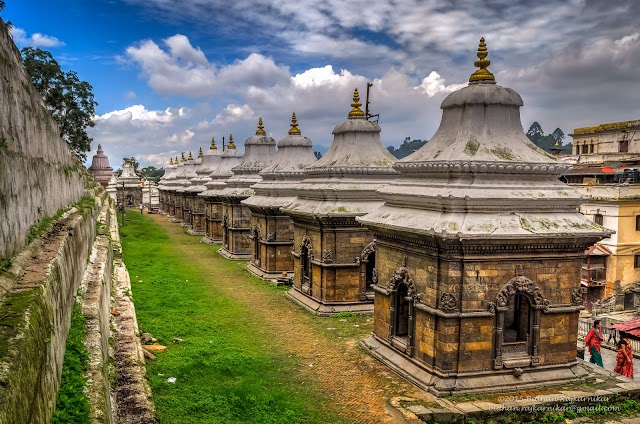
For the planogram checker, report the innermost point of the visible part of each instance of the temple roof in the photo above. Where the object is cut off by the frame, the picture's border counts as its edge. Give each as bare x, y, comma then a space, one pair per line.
480, 176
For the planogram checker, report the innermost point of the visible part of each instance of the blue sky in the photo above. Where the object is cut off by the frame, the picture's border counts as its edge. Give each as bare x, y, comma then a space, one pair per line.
168, 75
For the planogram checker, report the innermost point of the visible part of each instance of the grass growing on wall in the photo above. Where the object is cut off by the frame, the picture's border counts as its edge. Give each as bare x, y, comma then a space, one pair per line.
72, 405
226, 368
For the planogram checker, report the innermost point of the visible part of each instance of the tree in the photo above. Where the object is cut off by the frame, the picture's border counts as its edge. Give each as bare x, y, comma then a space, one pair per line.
152, 172
68, 99
407, 147
132, 160
535, 132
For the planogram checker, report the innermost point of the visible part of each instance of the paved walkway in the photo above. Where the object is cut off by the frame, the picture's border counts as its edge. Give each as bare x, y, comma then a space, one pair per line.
609, 361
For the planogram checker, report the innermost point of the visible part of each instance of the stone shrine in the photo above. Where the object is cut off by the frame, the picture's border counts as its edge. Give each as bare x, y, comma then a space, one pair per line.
478, 254
259, 151
164, 195
334, 255
128, 187
171, 185
210, 161
182, 193
100, 167
214, 224
272, 231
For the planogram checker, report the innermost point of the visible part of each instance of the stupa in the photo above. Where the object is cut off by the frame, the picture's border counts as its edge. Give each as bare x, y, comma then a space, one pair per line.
163, 193
210, 161
183, 193
111, 187
334, 255
478, 257
259, 151
100, 167
173, 185
215, 222
271, 230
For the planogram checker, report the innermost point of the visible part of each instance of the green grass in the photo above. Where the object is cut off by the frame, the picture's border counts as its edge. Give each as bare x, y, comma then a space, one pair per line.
72, 405
228, 368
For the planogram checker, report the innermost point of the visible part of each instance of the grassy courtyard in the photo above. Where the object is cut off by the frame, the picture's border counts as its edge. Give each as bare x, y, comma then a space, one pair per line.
248, 354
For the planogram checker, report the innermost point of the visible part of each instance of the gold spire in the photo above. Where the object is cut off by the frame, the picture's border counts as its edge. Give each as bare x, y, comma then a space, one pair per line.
557, 143
260, 130
294, 125
176, 161
231, 145
213, 144
200, 153
171, 161
483, 73
356, 112
183, 159
190, 157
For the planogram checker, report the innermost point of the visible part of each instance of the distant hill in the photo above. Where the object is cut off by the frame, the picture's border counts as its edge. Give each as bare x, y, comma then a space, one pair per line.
407, 147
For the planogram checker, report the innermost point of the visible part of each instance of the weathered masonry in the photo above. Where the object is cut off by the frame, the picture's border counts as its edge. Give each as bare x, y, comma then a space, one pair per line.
478, 254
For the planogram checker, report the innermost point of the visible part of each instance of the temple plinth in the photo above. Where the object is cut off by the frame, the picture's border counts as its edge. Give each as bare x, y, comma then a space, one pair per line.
333, 254
478, 254
271, 230
259, 151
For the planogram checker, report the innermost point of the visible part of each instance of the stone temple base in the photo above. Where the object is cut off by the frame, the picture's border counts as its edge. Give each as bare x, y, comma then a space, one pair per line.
176, 220
234, 256
209, 240
442, 384
328, 309
195, 232
185, 224
274, 277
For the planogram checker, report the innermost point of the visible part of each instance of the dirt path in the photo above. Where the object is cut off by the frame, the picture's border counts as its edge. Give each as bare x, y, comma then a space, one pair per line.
361, 387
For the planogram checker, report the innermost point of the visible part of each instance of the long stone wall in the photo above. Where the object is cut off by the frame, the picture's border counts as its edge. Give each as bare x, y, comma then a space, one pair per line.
38, 173
37, 314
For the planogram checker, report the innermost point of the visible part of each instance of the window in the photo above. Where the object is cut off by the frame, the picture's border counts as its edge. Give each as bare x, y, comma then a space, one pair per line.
598, 219
516, 320
636, 261
623, 146
591, 148
585, 149
402, 312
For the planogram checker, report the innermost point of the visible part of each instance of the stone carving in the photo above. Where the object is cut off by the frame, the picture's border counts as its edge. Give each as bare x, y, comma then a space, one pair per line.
256, 233
492, 307
215, 215
225, 221
327, 256
404, 261
517, 372
402, 274
271, 236
374, 276
371, 248
519, 270
520, 284
576, 296
515, 348
236, 223
448, 302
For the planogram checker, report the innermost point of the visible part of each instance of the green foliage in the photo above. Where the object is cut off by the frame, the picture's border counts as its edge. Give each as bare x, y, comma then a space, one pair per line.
548, 142
132, 160
72, 405
5, 264
228, 367
407, 147
345, 314
69, 99
152, 172
3, 143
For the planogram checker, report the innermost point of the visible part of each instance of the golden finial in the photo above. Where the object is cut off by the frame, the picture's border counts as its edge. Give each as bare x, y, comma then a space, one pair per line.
294, 125
176, 162
171, 161
200, 153
183, 159
356, 112
231, 145
213, 144
483, 73
190, 157
557, 143
260, 130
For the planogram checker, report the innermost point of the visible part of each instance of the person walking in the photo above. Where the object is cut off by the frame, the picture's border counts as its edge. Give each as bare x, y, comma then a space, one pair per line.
594, 341
624, 360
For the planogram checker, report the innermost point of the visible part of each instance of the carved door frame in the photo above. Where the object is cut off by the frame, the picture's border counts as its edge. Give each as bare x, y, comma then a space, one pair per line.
402, 276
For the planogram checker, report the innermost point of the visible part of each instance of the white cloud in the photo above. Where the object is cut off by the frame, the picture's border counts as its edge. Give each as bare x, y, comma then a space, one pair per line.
434, 84
35, 40
233, 113
184, 70
130, 95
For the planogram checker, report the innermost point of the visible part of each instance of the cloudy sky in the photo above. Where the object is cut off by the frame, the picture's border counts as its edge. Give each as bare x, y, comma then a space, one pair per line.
169, 74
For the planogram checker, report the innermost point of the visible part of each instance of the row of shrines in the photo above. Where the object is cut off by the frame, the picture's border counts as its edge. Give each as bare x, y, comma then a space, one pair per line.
468, 251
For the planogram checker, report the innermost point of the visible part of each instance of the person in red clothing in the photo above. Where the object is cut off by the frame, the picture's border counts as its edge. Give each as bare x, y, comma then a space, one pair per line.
624, 360
594, 341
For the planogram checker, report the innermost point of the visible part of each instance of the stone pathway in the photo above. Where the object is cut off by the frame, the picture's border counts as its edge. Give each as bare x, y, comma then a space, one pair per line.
609, 361
365, 391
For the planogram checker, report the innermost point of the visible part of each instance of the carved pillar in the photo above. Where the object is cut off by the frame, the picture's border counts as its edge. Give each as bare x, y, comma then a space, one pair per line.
497, 359
535, 357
